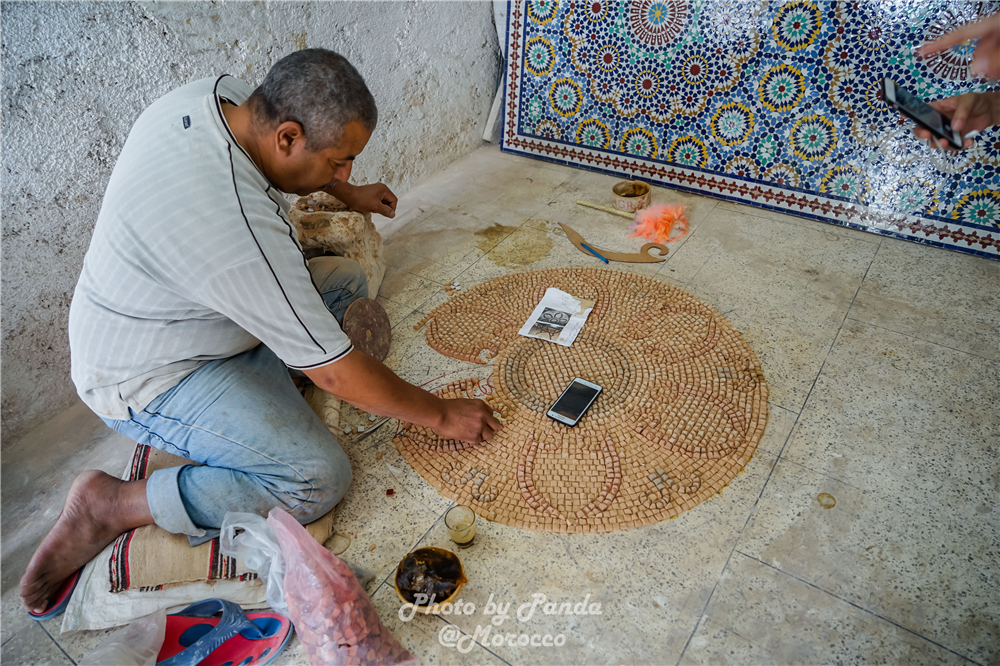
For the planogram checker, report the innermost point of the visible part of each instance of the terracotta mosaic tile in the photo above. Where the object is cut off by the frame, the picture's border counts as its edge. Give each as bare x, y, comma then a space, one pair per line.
683, 407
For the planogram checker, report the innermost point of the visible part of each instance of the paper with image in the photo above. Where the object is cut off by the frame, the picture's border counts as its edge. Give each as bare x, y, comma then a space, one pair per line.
557, 318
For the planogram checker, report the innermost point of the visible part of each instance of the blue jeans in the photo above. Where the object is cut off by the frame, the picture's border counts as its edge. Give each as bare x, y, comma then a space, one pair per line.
259, 442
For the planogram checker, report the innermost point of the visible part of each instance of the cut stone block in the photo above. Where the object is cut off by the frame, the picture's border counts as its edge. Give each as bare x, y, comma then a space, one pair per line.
325, 223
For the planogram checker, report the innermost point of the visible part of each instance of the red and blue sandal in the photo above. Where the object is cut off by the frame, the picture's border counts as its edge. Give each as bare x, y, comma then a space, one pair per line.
61, 600
196, 636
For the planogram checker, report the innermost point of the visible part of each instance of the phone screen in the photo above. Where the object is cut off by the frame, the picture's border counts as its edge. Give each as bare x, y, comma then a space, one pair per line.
575, 400
925, 112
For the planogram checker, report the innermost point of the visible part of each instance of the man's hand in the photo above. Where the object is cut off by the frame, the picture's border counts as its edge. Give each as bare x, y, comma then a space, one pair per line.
971, 112
365, 383
986, 57
467, 420
374, 198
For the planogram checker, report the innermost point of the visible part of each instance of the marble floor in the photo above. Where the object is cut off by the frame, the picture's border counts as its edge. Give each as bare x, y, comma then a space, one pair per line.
882, 359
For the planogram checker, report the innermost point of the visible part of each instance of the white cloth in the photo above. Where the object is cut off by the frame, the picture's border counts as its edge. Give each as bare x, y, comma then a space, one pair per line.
192, 259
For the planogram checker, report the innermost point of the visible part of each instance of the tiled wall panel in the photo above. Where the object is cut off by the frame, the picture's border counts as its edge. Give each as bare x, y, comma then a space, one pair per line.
773, 103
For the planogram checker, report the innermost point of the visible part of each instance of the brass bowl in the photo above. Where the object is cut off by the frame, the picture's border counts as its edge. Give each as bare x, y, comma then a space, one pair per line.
631, 196
435, 608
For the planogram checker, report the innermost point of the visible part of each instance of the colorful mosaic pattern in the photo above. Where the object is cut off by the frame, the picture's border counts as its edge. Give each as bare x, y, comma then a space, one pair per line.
683, 406
776, 104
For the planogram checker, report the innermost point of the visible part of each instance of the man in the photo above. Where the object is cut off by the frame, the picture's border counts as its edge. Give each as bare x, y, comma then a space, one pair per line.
195, 296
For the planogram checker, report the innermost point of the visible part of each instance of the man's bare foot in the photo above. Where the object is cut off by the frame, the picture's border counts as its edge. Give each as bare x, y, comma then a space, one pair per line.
98, 509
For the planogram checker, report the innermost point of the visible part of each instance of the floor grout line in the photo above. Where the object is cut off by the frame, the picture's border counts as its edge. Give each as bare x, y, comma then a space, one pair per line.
71, 660
778, 459
858, 606
915, 337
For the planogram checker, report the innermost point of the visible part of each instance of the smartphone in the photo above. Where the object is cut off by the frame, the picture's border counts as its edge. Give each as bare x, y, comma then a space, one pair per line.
574, 401
920, 112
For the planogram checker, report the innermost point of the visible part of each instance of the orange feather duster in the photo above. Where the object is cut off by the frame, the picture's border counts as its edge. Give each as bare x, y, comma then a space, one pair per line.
662, 223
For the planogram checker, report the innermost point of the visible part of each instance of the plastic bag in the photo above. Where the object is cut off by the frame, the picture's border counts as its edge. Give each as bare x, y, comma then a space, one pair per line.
257, 546
333, 615
137, 644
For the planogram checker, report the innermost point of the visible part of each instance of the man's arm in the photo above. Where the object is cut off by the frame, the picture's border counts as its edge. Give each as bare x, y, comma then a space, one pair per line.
367, 384
374, 198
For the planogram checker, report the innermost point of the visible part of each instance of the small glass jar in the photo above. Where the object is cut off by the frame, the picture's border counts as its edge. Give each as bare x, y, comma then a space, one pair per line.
461, 523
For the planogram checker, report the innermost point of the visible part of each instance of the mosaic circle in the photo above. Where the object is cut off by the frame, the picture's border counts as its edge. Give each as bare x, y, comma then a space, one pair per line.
566, 97
540, 57
657, 22
845, 182
814, 137
542, 11
595, 11
689, 151
913, 193
732, 123
781, 88
547, 129
683, 408
979, 207
951, 64
593, 133
695, 70
783, 174
639, 141
743, 166
796, 25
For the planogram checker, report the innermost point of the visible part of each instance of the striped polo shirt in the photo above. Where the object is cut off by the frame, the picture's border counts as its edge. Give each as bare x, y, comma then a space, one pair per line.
192, 259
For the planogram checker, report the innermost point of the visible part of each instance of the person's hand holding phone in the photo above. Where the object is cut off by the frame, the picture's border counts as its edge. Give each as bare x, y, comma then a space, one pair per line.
971, 112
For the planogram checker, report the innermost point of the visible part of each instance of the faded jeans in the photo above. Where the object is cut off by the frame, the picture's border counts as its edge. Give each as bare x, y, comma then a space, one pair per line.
259, 442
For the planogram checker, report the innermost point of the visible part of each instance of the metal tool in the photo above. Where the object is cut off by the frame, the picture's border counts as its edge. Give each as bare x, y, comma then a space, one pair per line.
643, 256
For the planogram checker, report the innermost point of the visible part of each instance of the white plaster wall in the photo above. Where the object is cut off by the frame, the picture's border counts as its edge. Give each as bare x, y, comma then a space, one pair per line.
77, 74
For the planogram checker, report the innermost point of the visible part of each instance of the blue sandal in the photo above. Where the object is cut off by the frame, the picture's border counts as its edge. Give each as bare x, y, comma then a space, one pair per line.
195, 636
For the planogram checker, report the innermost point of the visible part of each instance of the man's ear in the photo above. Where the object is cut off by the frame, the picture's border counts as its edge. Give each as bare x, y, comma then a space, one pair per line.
289, 137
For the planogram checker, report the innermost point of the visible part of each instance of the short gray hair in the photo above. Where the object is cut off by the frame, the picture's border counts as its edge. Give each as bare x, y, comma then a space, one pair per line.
318, 89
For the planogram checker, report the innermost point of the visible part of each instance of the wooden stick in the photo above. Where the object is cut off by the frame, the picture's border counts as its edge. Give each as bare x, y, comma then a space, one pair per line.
607, 209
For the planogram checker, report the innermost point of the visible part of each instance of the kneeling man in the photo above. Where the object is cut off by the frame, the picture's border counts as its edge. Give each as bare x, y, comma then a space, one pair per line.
195, 299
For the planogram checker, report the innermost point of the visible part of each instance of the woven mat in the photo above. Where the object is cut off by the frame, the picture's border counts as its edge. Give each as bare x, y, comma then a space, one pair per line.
683, 408
149, 558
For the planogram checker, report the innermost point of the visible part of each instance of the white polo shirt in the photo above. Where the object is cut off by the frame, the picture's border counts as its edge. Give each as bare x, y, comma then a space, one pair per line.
192, 259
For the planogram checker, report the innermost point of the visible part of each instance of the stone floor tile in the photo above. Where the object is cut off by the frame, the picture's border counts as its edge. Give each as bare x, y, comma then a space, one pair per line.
929, 567
759, 615
944, 297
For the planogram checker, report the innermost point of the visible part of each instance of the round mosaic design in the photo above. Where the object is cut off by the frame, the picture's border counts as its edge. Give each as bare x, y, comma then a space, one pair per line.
566, 97
781, 88
683, 408
845, 182
796, 25
657, 22
542, 11
688, 151
593, 133
732, 123
539, 56
979, 207
814, 137
639, 141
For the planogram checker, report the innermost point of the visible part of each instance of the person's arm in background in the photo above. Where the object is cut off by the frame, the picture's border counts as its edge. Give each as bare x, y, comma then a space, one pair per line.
986, 57
374, 198
366, 384
971, 112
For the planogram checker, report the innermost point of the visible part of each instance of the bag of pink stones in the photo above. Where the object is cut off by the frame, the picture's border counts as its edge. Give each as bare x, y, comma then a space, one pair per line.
333, 615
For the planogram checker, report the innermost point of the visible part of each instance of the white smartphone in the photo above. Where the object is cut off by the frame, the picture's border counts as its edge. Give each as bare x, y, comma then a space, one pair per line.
920, 112
574, 401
